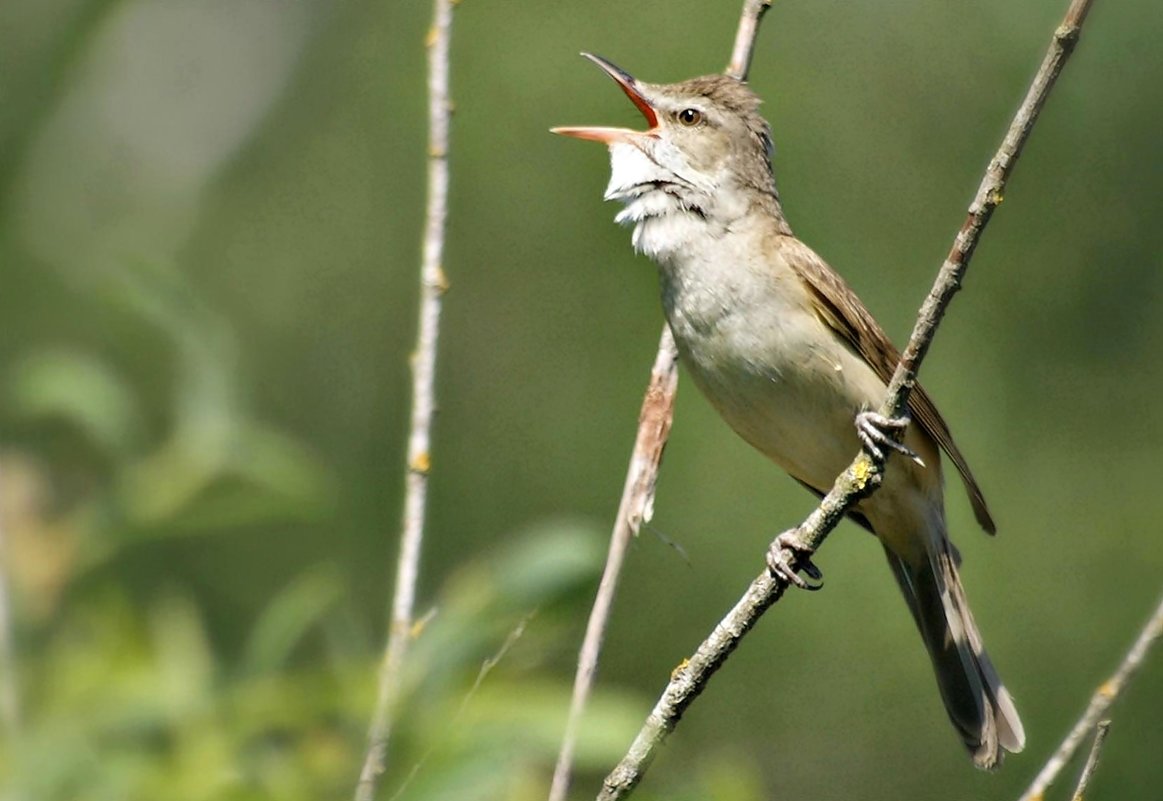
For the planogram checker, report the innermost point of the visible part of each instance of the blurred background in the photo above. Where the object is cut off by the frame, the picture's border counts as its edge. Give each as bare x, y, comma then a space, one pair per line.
210, 219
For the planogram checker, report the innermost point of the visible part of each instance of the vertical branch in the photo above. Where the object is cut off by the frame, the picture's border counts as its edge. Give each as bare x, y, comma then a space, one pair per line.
740, 64
862, 477
1107, 693
433, 284
636, 506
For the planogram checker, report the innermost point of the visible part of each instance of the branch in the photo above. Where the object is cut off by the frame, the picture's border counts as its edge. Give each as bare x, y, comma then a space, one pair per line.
740, 64
637, 502
433, 284
989, 196
1091, 761
455, 721
1102, 700
636, 507
864, 474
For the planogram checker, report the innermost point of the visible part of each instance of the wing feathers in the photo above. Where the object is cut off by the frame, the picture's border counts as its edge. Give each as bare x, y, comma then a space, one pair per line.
841, 309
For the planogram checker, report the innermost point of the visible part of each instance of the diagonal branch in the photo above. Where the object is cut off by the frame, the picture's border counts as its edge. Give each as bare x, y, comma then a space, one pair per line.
1091, 765
433, 285
636, 506
864, 474
1100, 703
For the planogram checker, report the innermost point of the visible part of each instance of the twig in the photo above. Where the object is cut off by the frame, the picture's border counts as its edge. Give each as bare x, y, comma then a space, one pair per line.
453, 722
864, 474
636, 506
1106, 694
740, 64
433, 284
1091, 761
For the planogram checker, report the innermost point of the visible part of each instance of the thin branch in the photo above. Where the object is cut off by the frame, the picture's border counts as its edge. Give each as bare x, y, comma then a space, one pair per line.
989, 196
433, 284
453, 722
636, 506
864, 474
1091, 761
1102, 700
740, 64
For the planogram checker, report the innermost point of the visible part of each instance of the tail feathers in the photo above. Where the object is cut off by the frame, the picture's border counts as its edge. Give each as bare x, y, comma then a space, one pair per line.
979, 706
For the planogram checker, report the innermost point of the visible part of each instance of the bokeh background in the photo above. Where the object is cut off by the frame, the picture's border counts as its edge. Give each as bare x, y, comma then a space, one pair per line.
210, 221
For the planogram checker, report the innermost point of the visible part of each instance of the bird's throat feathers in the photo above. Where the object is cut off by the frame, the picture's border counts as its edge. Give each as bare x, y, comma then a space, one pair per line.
667, 209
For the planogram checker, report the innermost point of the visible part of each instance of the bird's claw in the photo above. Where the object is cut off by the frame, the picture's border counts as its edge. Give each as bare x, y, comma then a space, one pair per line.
877, 432
787, 569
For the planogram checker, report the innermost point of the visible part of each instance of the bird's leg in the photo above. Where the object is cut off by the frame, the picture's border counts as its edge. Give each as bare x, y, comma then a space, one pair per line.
877, 431
786, 569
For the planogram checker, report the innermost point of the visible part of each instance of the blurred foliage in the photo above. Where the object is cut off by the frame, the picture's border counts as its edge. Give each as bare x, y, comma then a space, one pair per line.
209, 235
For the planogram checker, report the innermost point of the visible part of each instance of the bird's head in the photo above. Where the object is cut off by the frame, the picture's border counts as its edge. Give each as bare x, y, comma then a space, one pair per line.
706, 150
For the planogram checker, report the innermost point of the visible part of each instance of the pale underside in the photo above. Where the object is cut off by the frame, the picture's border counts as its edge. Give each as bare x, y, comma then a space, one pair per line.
792, 386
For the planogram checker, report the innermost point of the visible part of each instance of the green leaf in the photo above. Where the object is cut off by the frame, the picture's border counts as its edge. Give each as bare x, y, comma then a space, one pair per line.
80, 390
288, 618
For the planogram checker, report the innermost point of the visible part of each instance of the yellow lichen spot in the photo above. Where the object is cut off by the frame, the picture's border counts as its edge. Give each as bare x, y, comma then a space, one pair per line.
674, 674
862, 471
1107, 690
1038, 797
421, 463
439, 281
997, 197
430, 37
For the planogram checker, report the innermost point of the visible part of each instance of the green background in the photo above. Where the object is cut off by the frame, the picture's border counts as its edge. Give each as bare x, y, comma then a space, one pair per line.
210, 223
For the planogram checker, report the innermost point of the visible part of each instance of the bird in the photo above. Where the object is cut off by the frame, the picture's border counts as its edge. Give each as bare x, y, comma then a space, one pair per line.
793, 361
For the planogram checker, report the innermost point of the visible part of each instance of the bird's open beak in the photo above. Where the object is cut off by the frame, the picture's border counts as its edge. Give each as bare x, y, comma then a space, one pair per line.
630, 87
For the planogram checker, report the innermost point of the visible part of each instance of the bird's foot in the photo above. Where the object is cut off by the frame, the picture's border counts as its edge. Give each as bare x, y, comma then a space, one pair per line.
877, 431
788, 569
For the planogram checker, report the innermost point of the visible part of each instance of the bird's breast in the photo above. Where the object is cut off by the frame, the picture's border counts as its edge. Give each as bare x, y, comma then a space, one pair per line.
778, 376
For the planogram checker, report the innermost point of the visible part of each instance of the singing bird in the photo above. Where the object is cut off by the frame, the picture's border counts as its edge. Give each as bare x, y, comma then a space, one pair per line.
792, 360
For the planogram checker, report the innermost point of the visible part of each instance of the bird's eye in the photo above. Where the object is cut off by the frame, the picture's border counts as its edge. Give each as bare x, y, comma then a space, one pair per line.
690, 117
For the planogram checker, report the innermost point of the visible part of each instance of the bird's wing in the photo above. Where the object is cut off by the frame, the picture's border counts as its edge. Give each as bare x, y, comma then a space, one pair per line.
840, 308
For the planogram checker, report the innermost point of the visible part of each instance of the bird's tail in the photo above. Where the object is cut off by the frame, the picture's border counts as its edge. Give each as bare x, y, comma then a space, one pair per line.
977, 702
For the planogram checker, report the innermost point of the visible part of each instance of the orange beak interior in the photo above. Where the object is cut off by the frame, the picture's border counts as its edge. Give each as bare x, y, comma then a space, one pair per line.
628, 85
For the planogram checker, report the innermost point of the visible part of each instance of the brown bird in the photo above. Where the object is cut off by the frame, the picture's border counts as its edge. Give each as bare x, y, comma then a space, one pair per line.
793, 361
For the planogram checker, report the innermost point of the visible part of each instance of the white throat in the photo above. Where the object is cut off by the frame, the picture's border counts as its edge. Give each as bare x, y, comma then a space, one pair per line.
675, 210
668, 209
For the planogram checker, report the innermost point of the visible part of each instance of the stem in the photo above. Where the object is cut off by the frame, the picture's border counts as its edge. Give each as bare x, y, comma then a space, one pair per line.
740, 64
635, 508
1091, 761
433, 285
1104, 697
989, 196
